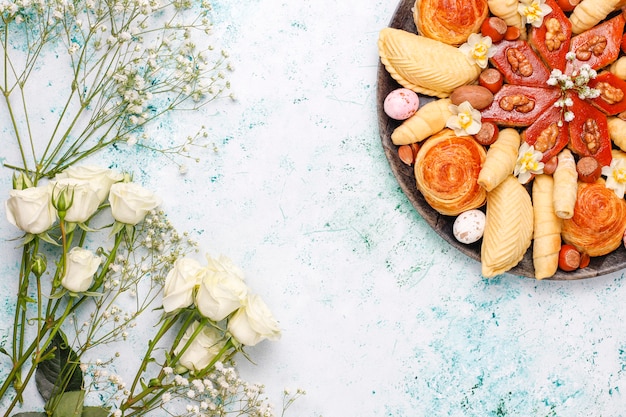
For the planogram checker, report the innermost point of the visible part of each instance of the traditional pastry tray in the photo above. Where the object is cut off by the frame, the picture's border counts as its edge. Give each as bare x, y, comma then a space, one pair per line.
403, 19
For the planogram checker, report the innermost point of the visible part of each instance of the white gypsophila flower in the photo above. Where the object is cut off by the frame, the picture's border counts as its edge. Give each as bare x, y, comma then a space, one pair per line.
533, 11
528, 163
478, 49
465, 119
616, 176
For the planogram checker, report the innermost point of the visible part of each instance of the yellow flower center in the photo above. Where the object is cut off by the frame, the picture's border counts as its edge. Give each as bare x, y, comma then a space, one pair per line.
480, 51
465, 120
533, 12
529, 163
619, 175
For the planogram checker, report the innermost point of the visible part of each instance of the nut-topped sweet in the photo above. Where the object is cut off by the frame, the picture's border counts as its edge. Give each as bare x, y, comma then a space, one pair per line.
554, 78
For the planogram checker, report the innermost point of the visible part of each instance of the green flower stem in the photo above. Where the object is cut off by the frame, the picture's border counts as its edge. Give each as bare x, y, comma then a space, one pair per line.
18, 137
37, 349
132, 400
167, 324
19, 323
156, 392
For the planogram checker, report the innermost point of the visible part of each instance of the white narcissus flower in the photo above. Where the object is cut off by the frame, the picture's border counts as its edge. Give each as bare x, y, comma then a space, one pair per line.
99, 178
253, 322
130, 202
80, 267
616, 176
180, 284
202, 349
465, 119
222, 289
31, 209
533, 11
85, 200
528, 163
478, 49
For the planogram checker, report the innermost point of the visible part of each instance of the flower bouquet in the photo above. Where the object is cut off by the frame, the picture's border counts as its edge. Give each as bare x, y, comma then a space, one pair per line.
98, 256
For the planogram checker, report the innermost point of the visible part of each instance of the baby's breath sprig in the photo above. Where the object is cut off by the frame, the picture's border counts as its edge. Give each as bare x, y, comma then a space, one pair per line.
577, 82
130, 61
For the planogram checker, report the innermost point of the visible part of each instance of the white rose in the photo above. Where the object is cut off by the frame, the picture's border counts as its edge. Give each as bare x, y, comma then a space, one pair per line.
253, 322
31, 209
99, 178
223, 263
85, 200
131, 202
202, 349
80, 267
180, 283
221, 290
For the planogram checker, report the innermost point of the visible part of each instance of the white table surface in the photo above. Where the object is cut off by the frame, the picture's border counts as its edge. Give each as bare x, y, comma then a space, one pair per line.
380, 316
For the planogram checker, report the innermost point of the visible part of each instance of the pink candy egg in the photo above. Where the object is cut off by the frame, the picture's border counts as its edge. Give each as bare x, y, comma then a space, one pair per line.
401, 104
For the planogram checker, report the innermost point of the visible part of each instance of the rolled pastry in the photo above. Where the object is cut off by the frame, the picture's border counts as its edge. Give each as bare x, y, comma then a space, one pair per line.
507, 11
449, 21
547, 228
565, 185
508, 227
619, 68
599, 220
617, 132
429, 119
501, 159
589, 13
446, 168
424, 65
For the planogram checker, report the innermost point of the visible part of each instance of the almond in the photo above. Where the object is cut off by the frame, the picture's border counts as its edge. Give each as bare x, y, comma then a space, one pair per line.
478, 96
407, 153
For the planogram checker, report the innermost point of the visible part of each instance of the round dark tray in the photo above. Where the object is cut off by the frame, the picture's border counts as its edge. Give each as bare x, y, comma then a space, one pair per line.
403, 19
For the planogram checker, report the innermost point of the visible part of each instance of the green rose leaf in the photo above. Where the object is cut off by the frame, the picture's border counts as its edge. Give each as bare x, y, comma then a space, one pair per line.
30, 414
59, 372
70, 404
95, 412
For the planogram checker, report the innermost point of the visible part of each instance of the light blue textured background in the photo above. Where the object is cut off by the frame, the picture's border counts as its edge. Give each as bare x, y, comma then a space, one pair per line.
380, 316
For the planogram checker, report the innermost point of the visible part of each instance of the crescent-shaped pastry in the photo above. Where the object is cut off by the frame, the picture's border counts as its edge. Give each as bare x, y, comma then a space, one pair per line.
431, 118
589, 13
508, 227
424, 65
599, 220
547, 228
617, 132
507, 11
565, 185
449, 21
446, 168
501, 159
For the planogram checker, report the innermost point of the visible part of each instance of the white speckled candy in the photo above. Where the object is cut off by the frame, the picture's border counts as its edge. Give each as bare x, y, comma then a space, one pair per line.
401, 103
469, 226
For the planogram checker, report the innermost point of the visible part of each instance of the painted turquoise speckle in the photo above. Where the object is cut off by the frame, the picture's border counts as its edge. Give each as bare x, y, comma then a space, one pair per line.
380, 316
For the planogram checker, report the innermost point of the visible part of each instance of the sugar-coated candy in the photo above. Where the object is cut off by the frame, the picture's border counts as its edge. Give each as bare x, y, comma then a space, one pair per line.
469, 226
401, 103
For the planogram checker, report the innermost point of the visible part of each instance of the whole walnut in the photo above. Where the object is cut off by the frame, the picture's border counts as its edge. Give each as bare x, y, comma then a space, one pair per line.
449, 21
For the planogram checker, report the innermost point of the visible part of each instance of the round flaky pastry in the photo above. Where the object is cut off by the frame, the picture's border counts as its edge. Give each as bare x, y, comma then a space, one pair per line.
446, 170
449, 21
599, 220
